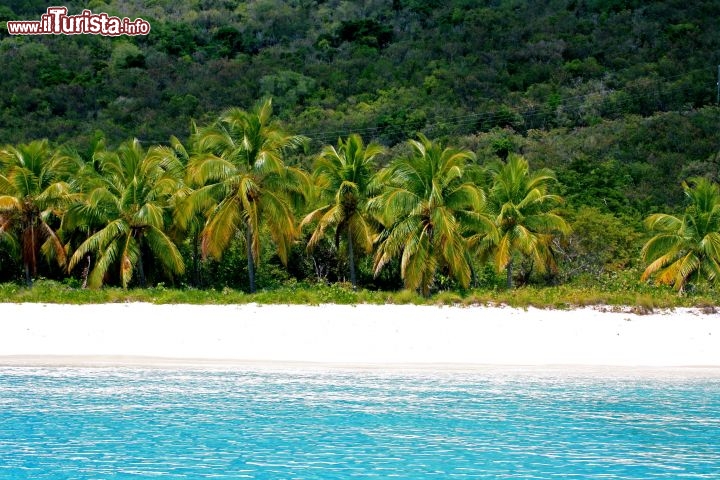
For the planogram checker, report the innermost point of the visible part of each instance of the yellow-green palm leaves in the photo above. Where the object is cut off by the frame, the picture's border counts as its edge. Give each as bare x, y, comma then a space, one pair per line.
426, 207
689, 244
33, 188
343, 176
131, 199
244, 183
524, 214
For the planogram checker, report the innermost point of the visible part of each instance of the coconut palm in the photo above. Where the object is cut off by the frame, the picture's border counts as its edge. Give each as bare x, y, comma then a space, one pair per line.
245, 184
688, 244
427, 205
188, 221
34, 189
87, 177
343, 176
131, 199
525, 216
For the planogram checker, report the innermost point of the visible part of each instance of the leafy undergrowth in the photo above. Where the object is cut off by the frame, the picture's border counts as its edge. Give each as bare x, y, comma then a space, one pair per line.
641, 299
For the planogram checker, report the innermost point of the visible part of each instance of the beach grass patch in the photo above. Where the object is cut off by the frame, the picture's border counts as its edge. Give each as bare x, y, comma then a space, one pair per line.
642, 297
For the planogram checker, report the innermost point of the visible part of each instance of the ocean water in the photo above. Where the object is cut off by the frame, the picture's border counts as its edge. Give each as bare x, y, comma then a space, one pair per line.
117, 423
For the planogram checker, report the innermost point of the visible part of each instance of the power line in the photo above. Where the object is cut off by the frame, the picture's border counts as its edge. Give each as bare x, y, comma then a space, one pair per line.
454, 125
566, 105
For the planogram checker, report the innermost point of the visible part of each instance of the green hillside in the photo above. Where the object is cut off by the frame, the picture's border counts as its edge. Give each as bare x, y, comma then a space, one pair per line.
617, 98
384, 69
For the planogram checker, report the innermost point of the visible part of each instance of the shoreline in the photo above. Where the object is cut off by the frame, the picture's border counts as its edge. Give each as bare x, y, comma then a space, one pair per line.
376, 337
115, 363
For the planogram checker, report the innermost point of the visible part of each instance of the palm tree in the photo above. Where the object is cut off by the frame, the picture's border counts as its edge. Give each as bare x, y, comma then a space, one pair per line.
426, 207
245, 184
187, 220
131, 199
689, 244
88, 177
524, 214
343, 177
34, 189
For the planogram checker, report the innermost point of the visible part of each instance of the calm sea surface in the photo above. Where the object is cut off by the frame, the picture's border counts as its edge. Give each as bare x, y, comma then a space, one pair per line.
74, 423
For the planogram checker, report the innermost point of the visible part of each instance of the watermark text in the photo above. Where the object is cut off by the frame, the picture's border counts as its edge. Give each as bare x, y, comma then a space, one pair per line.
56, 21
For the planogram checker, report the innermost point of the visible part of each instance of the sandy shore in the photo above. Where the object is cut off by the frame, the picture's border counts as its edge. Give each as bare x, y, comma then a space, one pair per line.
362, 335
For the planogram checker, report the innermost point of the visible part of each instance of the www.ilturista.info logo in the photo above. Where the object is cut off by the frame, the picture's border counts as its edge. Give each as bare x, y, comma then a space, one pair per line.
57, 22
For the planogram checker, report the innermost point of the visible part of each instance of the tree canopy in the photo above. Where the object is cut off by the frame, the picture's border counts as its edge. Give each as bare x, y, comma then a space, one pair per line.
616, 99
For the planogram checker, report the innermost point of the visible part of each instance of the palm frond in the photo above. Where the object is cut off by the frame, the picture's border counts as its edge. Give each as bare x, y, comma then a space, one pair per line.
222, 223
165, 250
107, 258
55, 243
9, 203
100, 241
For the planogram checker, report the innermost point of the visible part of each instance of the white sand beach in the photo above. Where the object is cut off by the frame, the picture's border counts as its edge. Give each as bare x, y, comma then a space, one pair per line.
361, 335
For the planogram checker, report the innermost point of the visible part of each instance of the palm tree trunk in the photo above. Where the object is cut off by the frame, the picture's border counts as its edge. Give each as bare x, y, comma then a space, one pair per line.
86, 272
509, 275
351, 260
196, 253
32, 250
28, 253
250, 260
141, 271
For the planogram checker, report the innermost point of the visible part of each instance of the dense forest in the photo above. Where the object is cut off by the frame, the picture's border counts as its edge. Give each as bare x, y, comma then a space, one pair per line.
612, 102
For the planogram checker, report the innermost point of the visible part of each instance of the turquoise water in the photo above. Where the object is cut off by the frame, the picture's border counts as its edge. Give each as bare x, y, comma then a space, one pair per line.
73, 423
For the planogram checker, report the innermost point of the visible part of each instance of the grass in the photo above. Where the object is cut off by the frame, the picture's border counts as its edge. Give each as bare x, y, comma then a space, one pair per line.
642, 298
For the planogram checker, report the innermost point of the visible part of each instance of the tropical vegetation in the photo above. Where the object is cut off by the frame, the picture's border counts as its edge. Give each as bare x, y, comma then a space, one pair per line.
456, 149
128, 202
439, 218
525, 217
343, 177
34, 185
689, 244
244, 183
427, 205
